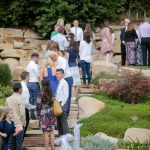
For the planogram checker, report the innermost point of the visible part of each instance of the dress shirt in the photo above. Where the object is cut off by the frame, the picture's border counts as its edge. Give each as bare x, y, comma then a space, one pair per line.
61, 40
16, 103
33, 70
62, 63
26, 96
78, 33
144, 30
62, 93
85, 51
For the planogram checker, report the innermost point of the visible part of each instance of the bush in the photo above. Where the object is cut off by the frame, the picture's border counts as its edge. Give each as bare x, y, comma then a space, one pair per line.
5, 75
5, 91
130, 86
95, 143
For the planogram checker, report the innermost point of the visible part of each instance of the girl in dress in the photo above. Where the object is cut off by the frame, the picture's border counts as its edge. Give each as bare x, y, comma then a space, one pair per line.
7, 128
45, 114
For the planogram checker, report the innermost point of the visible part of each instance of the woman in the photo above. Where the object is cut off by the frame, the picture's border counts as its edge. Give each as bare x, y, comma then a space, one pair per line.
48, 73
67, 31
55, 32
106, 46
55, 47
85, 53
44, 111
60, 22
130, 43
139, 57
73, 65
88, 28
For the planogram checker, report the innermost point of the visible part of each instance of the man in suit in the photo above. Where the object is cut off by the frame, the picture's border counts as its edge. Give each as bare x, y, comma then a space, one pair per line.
122, 39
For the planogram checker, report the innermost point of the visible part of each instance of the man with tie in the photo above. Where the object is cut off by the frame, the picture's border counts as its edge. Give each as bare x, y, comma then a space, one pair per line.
77, 31
122, 39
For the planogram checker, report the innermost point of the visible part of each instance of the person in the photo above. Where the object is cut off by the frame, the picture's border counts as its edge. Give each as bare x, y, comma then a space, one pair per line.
77, 31
144, 30
33, 85
49, 73
85, 53
60, 22
122, 39
17, 104
25, 94
55, 32
88, 28
63, 64
67, 30
61, 39
106, 46
7, 128
139, 57
55, 47
73, 51
130, 43
45, 114
62, 96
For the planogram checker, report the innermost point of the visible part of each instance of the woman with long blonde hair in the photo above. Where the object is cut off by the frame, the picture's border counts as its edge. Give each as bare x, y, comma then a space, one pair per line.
60, 22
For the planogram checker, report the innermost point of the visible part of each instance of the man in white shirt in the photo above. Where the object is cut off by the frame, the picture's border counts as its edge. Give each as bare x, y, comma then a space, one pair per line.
63, 64
33, 85
77, 31
25, 94
62, 95
61, 39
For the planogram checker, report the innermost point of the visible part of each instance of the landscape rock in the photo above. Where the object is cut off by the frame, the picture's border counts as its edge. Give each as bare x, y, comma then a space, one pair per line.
88, 106
18, 45
73, 115
31, 34
117, 59
12, 62
98, 45
4, 46
87, 90
12, 53
24, 61
137, 135
106, 137
102, 67
96, 55
17, 72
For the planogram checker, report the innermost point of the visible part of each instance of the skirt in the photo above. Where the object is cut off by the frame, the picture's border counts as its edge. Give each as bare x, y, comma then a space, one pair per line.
130, 52
75, 75
139, 57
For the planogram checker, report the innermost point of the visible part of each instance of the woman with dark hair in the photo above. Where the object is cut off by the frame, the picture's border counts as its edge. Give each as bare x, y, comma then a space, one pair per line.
106, 46
130, 43
44, 111
85, 53
73, 51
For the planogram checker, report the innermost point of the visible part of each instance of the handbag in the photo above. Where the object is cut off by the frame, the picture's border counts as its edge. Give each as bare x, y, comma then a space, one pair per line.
57, 109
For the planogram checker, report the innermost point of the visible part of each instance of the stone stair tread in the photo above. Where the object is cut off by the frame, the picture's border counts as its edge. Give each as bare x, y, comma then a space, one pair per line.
41, 148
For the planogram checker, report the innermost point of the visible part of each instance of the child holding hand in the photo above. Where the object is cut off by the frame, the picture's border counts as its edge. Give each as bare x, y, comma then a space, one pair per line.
7, 128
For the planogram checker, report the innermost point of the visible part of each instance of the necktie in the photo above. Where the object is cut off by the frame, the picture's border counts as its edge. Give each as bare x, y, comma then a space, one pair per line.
76, 33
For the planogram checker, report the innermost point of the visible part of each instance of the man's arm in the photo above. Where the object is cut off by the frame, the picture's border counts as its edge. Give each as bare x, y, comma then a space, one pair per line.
66, 93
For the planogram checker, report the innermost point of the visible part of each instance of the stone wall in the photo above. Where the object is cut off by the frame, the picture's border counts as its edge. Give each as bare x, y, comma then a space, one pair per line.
16, 47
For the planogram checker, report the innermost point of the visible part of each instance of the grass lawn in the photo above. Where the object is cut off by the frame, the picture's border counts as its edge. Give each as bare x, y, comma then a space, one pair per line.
116, 118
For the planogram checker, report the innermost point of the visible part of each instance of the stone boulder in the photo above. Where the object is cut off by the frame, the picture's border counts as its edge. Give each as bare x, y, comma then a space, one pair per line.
34, 124
106, 137
24, 62
88, 106
12, 62
17, 72
137, 135
31, 34
102, 67
12, 53
18, 45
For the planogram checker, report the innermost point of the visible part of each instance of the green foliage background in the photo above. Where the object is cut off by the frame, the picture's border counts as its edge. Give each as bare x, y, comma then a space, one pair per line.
41, 15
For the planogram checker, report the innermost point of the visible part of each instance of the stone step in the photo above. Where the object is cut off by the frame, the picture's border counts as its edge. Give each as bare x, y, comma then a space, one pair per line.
73, 115
41, 148
74, 107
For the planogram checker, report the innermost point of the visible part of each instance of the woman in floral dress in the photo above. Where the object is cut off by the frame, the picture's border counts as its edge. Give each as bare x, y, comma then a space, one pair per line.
45, 115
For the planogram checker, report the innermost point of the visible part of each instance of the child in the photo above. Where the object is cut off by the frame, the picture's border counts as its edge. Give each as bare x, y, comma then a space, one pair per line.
44, 111
7, 128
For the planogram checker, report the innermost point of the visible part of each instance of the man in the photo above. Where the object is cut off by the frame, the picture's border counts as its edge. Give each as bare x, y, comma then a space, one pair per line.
33, 85
62, 95
77, 31
144, 30
122, 38
63, 64
61, 39
25, 94
16, 103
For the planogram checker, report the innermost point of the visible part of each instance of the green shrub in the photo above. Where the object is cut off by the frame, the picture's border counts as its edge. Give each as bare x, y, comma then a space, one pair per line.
5, 91
95, 143
135, 145
5, 75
